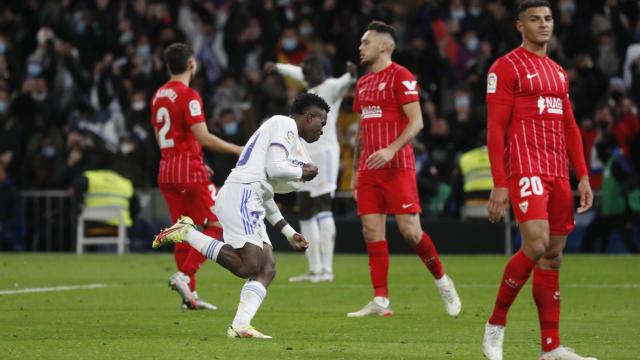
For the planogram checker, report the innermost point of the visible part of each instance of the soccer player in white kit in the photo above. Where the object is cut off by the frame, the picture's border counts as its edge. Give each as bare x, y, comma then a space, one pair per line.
314, 197
273, 161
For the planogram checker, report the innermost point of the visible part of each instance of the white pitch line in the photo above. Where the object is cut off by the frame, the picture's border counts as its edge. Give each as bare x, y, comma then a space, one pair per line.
55, 288
487, 286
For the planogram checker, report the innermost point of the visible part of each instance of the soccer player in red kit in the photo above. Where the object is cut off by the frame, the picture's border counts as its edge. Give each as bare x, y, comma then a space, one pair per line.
532, 136
388, 103
183, 178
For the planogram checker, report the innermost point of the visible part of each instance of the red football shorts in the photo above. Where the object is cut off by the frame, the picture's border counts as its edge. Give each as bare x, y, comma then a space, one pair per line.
543, 198
387, 191
193, 200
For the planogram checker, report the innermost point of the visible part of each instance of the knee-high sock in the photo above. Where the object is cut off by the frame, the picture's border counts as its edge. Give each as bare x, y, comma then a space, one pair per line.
515, 275
327, 239
429, 256
310, 230
194, 258
379, 267
181, 253
251, 296
205, 244
546, 293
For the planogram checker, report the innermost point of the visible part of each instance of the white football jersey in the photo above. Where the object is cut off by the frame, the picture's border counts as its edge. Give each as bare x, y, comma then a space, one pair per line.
280, 131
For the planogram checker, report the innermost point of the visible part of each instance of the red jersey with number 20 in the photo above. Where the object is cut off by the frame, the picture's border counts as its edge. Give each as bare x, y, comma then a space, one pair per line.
175, 107
537, 89
379, 99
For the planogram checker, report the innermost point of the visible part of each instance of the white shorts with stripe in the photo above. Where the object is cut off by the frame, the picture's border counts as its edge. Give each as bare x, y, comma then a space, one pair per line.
327, 160
241, 213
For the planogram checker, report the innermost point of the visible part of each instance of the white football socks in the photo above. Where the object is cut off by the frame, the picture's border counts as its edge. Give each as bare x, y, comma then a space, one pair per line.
205, 244
251, 296
327, 239
311, 231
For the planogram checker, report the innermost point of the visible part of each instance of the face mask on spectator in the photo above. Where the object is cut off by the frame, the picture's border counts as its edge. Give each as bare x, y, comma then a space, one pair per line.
48, 151
34, 69
567, 7
138, 106
474, 11
39, 97
289, 44
144, 50
3, 106
230, 128
81, 27
473, 44
458, 14
462, 102
126, 38
306, 30
3, 47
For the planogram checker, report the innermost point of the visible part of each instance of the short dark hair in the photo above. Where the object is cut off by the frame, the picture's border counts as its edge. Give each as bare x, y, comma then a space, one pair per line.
177, 56
382, 27
532, 3
305, 100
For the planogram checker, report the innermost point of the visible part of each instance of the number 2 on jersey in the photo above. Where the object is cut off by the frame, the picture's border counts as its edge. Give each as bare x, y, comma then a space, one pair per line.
162, 117
530, 185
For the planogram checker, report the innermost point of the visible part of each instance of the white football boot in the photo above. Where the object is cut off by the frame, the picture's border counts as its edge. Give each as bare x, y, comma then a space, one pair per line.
246, 332
378, 307
449, 295
563, 353
180, 283
492, 341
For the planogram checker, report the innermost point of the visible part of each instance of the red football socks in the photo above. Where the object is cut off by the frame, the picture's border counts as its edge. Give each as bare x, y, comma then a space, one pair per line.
379, 267
546, 293
429, 256
516, 274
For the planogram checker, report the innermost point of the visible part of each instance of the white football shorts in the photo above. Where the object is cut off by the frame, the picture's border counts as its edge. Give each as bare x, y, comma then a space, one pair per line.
241, 213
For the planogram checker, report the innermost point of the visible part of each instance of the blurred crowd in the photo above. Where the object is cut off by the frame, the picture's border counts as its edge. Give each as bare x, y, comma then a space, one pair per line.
76, 77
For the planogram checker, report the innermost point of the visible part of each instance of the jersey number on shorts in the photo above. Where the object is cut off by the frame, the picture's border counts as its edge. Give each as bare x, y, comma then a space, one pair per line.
530, 185
163, 117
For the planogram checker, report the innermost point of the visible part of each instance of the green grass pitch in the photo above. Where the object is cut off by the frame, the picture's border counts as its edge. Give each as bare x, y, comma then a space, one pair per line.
137, 317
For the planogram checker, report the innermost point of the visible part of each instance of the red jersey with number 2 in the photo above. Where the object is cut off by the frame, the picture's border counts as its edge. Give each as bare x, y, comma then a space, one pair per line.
175, 107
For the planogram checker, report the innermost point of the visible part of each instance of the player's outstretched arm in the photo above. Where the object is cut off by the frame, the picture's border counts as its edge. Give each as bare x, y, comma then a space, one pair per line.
498, 118
212, 142
383, 156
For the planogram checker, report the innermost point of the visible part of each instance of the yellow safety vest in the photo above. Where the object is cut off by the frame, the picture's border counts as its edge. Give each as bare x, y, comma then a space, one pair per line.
107, 188
476, 170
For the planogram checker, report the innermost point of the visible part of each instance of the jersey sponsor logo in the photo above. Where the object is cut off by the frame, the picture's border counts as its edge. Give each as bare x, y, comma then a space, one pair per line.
166, 93
381, 86
411, 87
296, 162
492, 83
194, 108
371, 111
531, 76
290, 137
556, 296
406, 206
553, 105
524, 206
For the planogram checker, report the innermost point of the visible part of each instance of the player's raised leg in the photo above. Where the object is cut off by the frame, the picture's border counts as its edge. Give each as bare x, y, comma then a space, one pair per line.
373, 229
411, 231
